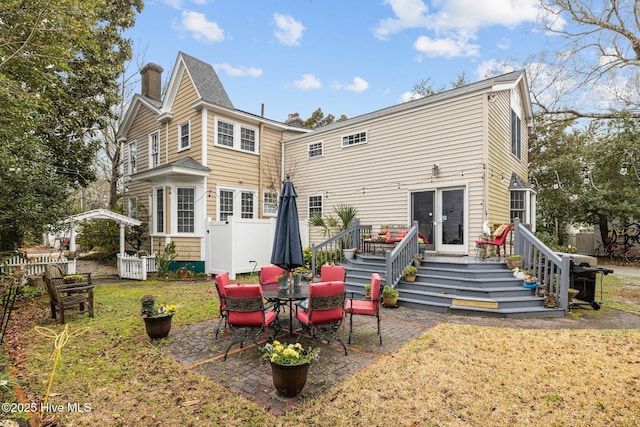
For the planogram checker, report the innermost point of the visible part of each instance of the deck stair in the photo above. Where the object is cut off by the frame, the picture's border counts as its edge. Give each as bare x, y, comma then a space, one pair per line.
457, 286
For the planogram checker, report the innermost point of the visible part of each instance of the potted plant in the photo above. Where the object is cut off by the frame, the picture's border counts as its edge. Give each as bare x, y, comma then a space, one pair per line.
367, 291
349, 253
390, 296
289, 366
513, 261
283, 279
421, 245
417, 259
157, 318
183, 272
530, 281
409, 273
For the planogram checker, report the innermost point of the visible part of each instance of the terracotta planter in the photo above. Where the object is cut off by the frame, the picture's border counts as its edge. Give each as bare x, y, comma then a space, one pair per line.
389, 301
158, 327
409, 278
289, 380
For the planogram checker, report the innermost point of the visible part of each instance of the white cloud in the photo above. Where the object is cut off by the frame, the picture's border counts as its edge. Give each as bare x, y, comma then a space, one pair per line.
239, 71
289, 30
177, 4
504, 43
445, 47
308, 81
201, 29
359, 85
452, 23
410, 96
492, 68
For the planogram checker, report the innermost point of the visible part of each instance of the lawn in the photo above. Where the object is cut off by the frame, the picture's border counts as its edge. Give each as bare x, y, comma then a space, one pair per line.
452, 375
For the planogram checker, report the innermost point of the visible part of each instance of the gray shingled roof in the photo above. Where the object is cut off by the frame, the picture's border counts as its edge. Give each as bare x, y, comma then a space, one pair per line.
206, 81
518, 183
187, 162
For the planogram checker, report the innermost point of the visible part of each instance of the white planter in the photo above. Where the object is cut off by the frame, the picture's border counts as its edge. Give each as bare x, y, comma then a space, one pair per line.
349, 254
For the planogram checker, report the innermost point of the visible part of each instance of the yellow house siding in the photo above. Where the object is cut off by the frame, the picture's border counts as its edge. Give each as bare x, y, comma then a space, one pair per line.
182, 111
143, 125
188, 248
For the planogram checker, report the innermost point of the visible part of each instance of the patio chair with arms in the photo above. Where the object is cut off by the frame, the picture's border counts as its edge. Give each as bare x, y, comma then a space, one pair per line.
66, 296
325, 312
246, 314
269, 274
366, 308
332, 273
222, 280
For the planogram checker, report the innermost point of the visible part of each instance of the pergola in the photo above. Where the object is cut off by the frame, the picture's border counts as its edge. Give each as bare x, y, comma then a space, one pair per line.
123, 220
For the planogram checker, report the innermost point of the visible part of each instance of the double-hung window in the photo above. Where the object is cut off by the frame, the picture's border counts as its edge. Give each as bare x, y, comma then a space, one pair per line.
517, 205
315, 149
270, 203
160, 210
154, 149
236, 136
132, 207
516, 135
236, 201
315, 205
133, 158
184, 140
186, 210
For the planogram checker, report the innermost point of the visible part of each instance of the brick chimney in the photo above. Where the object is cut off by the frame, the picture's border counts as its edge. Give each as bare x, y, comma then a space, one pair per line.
294, 120
152, 81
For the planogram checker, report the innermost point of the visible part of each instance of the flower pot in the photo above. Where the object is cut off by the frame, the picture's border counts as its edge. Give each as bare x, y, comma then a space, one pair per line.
289, 380
513, 263
409, 278
349, 254
389, 301
158, 327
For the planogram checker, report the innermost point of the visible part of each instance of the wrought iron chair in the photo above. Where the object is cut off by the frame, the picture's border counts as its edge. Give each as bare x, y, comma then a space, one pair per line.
366, 308
269, 273
332, 273
222, 280
325, 311
247, 316
66, 296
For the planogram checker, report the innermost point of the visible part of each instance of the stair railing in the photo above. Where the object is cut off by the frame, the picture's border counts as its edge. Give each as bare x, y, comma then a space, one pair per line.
552, 270
330, 251
401, 256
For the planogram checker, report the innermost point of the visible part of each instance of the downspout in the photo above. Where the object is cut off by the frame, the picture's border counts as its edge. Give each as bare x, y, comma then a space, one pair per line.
260, 183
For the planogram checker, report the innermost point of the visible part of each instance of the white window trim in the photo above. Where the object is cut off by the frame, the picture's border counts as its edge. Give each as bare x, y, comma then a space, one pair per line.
237, 200
195, 209
309, 156
264, 204
180, 148
366, 136
155, 132
237, 132
154, 198
309, 204
132, 170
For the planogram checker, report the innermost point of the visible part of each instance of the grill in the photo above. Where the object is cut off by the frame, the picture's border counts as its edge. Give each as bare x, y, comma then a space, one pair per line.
583, 274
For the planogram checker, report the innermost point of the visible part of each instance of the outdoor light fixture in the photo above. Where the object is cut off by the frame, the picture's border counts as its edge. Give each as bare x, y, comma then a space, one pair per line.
435, 170
623, 169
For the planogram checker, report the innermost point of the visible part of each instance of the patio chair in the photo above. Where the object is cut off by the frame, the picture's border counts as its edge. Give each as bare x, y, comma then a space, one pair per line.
222, 280
66, 296
325, 311
269, 273
247, 316
332, 273
366, 308
499, 240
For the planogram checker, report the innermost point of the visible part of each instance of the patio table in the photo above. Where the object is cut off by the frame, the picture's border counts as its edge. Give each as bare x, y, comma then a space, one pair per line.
286, 297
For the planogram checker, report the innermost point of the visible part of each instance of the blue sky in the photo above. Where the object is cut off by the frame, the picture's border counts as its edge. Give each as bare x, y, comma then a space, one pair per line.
346, 57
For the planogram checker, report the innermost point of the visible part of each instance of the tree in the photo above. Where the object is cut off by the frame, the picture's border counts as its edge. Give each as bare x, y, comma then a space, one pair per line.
59, 63
425, 87
601, 52
317, 119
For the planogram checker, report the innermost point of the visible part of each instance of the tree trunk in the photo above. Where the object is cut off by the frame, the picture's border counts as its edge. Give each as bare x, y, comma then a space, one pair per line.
603, 224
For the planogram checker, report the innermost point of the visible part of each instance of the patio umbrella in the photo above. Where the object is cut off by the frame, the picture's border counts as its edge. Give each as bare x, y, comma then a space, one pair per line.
287, 247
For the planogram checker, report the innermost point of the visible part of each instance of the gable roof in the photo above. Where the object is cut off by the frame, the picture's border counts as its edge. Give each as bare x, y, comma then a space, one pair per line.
206, 81
515, 79
186, 166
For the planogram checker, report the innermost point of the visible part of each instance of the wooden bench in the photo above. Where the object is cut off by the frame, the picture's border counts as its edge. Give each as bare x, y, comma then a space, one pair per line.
66, 296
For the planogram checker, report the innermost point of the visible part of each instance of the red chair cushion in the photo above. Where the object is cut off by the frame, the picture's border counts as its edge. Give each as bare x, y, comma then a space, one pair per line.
360, 307
332, 273
316, 316
269, 273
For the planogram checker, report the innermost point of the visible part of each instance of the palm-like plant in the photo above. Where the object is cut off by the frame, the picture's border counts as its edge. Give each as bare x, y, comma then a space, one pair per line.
330, 224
